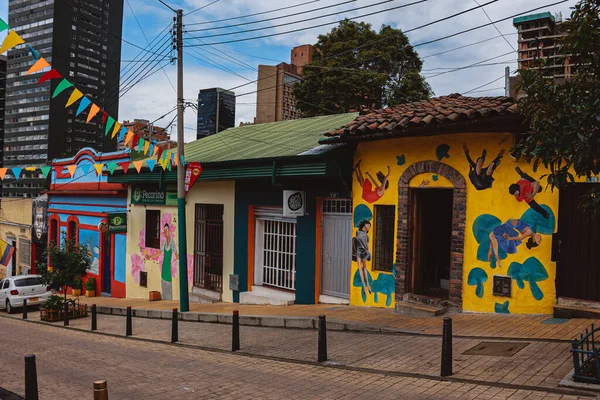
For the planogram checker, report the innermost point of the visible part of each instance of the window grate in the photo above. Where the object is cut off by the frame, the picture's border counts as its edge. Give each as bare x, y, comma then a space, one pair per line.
279, 254
384, 238
338, 206
208, 247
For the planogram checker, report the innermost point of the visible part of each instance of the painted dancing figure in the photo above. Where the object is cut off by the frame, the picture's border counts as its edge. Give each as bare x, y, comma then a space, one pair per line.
525, 190
369, 194
480, 176
362, 253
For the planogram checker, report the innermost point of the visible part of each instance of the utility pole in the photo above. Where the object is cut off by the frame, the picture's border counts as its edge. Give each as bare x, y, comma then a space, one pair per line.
184, 301
507, 81
218, 109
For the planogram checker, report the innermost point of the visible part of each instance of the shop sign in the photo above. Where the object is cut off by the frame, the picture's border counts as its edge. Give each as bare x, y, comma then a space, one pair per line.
117, 223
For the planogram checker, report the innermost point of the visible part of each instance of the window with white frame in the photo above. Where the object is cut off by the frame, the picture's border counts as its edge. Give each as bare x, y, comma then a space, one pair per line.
275, 251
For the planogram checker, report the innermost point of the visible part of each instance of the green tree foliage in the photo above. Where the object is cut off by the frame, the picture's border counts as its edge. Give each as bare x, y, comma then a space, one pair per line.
386, 72
564, 117
68, 263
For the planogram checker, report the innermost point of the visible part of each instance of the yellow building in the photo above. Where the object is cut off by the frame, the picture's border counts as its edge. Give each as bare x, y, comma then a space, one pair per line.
451, 218
15, 229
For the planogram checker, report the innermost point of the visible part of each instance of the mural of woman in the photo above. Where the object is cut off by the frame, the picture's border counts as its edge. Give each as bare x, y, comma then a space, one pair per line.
368, 194
480, 176
362, 253
510, 235
168, 247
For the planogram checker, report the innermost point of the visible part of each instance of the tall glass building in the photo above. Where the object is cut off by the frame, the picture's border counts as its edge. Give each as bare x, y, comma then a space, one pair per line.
216, 111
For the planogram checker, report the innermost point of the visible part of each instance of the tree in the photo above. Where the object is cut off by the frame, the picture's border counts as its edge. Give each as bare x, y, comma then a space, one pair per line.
564, 119
354, 66
68, 263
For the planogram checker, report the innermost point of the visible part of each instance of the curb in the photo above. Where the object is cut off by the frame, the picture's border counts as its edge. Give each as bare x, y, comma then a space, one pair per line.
255, 320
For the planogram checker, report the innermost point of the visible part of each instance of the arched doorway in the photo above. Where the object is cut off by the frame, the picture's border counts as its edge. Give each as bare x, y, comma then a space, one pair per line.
406, 221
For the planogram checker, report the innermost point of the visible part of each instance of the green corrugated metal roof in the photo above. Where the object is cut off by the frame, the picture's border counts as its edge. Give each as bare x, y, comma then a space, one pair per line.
275, 139
533, 17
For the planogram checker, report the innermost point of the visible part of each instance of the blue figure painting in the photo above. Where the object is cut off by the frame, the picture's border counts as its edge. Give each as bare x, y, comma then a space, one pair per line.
501, 308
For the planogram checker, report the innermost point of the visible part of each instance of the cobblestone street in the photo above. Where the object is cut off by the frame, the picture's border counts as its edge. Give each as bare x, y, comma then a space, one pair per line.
70, 360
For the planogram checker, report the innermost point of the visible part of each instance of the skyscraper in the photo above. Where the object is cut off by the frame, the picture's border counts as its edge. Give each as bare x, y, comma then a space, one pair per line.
216, 111
82, 40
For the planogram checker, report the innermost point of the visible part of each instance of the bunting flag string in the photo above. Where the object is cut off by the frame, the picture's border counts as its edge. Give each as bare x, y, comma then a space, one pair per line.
46, 72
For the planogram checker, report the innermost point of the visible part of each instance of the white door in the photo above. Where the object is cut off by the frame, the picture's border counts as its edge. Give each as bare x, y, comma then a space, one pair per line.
336, 252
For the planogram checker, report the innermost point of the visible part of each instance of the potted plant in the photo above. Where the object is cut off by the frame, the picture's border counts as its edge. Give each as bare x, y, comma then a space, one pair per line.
90, 287
77, 285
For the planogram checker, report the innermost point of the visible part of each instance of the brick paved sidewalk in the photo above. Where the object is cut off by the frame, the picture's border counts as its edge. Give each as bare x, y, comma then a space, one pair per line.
464, 324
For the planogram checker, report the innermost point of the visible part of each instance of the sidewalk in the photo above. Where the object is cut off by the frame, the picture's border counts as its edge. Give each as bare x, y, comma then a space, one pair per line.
356, 319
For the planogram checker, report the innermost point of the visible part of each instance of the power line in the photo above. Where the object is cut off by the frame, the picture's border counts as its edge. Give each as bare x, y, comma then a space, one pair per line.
431, 70
229, 58
201, 8
427, 42
168, 6
486, 84
495, 27
380, 40
307, 28
216, 65
255, 14
466, 45
470, 65
285, 16
487, 90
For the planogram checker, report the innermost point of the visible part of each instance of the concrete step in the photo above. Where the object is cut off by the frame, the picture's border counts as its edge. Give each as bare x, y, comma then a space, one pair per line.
209, 294
267, 296
406, 308
194, 298
564, 311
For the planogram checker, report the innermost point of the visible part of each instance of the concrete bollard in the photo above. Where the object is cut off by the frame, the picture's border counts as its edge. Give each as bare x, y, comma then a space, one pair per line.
24, 308
235, 331
100, 390
322, 346
446, 369
128, 323
174, 327
94, 318
31, 386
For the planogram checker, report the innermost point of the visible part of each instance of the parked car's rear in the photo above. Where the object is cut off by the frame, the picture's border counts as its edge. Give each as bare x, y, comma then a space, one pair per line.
15, 289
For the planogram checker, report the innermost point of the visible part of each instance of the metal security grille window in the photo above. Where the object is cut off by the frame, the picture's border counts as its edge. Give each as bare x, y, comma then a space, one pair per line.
384, 238
153, 229
25, 254
279, 254
342, 206
208, 247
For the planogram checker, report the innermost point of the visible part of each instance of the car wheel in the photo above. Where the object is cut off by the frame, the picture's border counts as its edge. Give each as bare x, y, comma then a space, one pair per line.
9, 308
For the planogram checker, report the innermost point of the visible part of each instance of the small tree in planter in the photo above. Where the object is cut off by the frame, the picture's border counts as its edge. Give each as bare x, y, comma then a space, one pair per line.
65, 265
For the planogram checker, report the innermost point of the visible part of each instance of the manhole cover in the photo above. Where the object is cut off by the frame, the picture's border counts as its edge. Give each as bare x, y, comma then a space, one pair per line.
497, 349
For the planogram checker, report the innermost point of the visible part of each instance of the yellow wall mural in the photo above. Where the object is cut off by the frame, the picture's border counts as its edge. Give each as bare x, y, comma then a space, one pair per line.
510, 218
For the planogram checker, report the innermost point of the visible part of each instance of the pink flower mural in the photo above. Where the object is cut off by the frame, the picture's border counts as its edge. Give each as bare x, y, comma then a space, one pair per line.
137, 265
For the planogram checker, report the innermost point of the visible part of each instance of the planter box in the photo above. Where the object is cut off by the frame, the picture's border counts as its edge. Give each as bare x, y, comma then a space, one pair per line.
79, 311
154, 296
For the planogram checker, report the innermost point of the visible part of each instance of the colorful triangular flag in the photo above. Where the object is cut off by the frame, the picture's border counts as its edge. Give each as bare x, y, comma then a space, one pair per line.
104, 116
175, 162
138, 165
61, 87
52, 74
125, 166
182, 158
169, 165
75, 95
111, 166
128, 137
151, 152
150, 163
3, 25
30, 169
83, 104
72, 169
141, 145
146, 147
98, 168
38, 66
34, 54
122, 134
3, 170
163, 164
17, 172
160, 153
155, 151
116, 129
109, 124
85, 168
135, 141
10, 41
58, 170
46, 170
93, 111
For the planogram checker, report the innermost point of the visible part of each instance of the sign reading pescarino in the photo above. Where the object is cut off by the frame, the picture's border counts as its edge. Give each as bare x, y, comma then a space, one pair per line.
293, 203
192, 172
117, 223
153, 196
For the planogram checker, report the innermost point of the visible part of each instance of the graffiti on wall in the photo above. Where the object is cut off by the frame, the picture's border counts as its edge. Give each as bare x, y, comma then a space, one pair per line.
40, 219
89, 239
370, 194
166, 256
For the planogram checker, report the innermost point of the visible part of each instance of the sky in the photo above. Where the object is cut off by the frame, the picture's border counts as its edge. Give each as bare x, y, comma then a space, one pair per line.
231, 65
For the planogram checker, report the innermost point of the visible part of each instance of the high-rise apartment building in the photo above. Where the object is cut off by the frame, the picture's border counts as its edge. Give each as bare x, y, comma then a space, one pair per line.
82, 40
216, 111
539, 36
274, 98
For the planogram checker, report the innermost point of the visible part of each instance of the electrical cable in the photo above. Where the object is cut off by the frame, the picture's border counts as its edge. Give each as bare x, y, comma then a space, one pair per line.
495, 27
216, 65
201, 8
230, 59
486, 84
470, 65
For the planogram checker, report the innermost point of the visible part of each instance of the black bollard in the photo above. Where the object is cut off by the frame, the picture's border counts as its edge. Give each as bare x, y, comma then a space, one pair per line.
128, 324
447, 348
174, 328
322, 351
31, 386
24, 308
94, 320
235, 331
100, 390
66, 311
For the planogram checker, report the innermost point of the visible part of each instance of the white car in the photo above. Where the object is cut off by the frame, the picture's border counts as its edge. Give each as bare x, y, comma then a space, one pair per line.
16, 288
